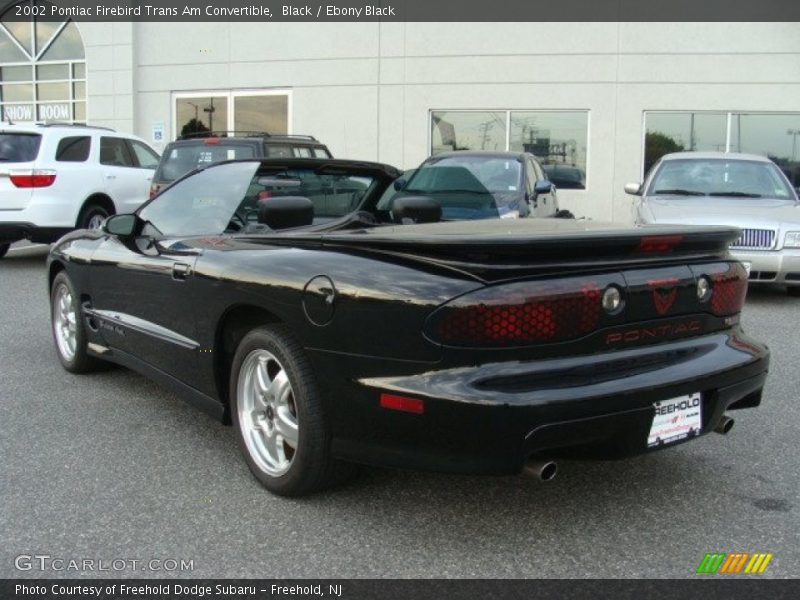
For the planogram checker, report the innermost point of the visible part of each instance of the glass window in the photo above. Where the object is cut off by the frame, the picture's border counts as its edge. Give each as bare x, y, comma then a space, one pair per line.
776, 136
181, 159
469, 186
19, 147
302, 152
719, 177
202, 204
683, 131
21, 73
461, 130
554, 137
266, 113
32, 99
145, 157
44, 72
201, 115
321, 153
16, 92
275, 151
74, 149
114, 152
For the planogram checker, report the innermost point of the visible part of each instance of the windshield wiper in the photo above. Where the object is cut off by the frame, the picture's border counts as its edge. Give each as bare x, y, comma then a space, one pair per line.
736, 194
679, 192
447, 192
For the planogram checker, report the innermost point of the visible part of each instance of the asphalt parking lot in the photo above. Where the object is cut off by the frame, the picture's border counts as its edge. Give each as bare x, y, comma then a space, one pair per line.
110, 466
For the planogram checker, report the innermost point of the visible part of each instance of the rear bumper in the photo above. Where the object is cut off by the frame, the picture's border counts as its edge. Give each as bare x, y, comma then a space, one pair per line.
493, 417
15, 231
772, 266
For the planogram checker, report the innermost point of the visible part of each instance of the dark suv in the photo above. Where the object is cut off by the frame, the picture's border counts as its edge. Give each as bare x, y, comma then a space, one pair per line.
196, 150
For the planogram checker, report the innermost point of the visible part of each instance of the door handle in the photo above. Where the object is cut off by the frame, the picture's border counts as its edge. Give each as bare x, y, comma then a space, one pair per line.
111, 176
180, 271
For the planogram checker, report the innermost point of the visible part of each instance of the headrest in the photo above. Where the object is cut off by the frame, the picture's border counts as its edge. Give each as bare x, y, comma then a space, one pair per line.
417, 209
285, 212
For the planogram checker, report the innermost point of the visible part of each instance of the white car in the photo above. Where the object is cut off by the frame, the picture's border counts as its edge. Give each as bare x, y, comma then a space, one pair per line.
56, 178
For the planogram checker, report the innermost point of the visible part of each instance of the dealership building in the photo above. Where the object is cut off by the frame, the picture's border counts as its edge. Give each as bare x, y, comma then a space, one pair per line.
603, 99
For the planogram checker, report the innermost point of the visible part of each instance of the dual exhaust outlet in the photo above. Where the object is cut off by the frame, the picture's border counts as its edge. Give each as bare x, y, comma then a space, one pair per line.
546, 470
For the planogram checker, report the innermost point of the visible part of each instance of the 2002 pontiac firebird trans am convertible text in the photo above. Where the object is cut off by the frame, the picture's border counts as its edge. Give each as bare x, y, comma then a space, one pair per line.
276, 296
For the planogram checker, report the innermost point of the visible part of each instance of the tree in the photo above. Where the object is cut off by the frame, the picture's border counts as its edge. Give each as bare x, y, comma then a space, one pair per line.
194, 126
656, 145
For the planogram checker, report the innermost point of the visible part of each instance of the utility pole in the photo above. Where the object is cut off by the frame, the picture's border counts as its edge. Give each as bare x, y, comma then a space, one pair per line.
210, 110
794, 133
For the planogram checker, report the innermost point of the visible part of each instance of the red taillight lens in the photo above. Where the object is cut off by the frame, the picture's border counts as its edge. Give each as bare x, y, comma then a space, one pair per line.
32, 179
212, 141
519, 314
729, 289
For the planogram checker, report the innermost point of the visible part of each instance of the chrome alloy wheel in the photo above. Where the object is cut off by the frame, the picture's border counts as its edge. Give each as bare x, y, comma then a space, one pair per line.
65, 322
267, 412
95, 221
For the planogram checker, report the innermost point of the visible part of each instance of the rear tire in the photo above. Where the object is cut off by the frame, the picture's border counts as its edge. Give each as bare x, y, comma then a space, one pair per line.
92, 217
4, 249
278, 416
68, 328
793, 291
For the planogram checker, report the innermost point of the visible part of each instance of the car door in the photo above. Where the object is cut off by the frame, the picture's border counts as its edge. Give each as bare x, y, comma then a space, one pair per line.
122, 178
142, 300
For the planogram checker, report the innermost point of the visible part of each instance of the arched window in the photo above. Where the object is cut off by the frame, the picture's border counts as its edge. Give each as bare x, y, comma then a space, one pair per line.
42, 71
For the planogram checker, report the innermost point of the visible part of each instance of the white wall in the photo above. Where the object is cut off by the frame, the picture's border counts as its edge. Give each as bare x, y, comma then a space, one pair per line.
366, 88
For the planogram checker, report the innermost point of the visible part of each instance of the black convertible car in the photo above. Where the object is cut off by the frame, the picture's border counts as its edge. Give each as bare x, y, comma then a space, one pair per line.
275, 295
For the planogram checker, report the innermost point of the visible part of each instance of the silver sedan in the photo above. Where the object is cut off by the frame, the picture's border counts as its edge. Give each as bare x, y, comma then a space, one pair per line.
742, 190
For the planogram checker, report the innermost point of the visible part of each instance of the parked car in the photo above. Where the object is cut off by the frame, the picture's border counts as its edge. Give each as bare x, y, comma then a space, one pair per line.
479, 346
480, 185
202, 149
739, 190
56, 178
566, 177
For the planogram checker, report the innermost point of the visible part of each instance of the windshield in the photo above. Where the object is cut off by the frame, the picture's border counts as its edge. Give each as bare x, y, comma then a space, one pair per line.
226, 198
719, 177
469, 187
179, 160
19, 147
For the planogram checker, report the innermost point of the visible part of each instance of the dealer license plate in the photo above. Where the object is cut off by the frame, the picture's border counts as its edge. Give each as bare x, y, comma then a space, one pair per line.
676, 419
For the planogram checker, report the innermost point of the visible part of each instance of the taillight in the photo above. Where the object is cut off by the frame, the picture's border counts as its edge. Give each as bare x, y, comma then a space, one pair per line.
728, 290
32, 178
520, 314
212, 141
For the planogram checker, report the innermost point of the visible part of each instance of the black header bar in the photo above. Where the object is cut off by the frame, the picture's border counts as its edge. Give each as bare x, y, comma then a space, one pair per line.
404, 10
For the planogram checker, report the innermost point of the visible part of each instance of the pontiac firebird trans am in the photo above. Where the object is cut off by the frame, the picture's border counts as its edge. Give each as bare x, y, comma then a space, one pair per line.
276, 296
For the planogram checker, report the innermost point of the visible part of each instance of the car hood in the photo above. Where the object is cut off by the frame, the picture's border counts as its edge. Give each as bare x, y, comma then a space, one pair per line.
736, 212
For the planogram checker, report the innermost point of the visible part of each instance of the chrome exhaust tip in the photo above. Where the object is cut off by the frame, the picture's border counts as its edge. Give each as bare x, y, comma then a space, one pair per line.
543, 470
724, 425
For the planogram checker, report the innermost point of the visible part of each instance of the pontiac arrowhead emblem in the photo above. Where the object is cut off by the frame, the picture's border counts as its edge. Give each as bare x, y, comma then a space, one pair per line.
665, 293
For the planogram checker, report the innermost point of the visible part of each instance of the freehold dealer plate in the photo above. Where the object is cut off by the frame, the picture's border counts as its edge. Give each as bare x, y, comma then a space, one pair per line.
675, 420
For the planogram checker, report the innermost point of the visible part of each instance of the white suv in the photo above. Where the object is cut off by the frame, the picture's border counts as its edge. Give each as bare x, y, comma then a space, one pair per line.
56, 178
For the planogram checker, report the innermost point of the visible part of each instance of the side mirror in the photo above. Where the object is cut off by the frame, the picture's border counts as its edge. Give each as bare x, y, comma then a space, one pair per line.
634, 189
542, 187
399, 184
122, 226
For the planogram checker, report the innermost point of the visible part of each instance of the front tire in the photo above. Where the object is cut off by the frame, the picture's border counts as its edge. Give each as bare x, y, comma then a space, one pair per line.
4, 249
69, 333
277, 413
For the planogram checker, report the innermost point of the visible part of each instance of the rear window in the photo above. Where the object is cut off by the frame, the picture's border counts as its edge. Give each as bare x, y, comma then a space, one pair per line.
74, 149
179, 160
19, 147
321, 153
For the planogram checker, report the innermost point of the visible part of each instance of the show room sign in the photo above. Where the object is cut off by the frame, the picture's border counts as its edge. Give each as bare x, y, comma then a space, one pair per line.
47, 112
